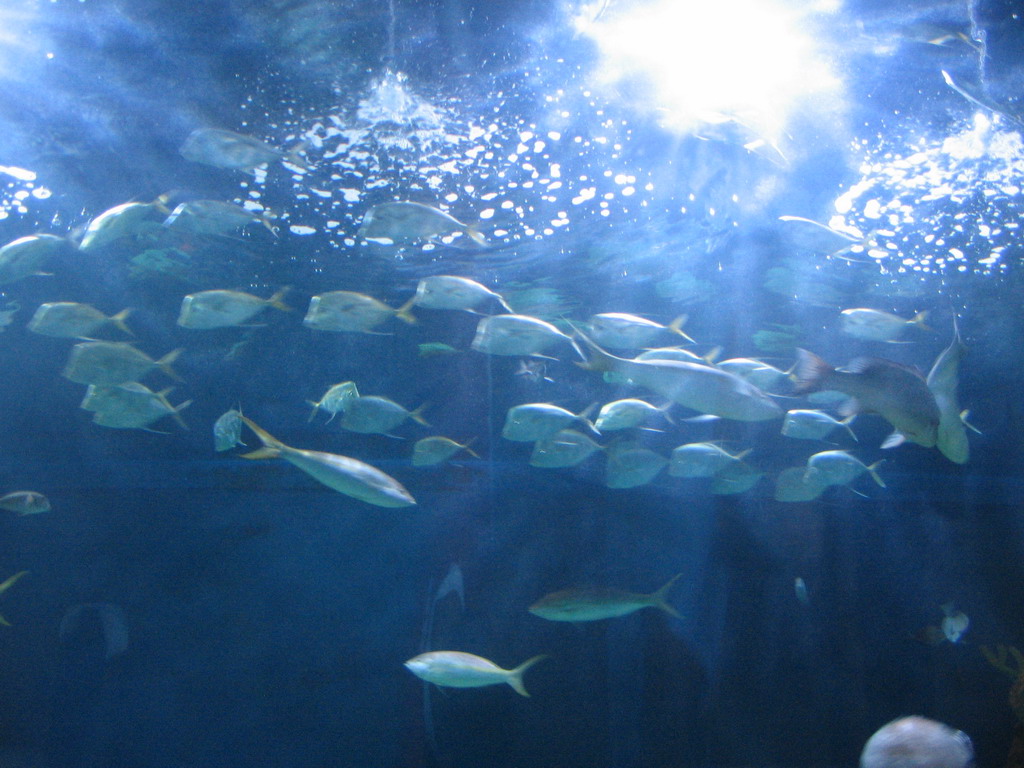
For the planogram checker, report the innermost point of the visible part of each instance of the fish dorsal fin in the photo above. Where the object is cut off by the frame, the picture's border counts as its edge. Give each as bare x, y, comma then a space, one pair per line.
894, 440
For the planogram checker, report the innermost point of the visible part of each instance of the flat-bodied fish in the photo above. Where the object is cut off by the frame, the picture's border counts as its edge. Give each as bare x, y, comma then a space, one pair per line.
517, 335
875, 325
222, 309
113, 362
122, 221
351, 312
214, 217
343, 474
455, 669
840, 468
619, 330
799, 484
25, 502
70, 320
899, 394
335, 399
736, 477
760, 374
597, 603
626, 414
373, 415
702, 460
235, 151
437, 450
531, 422
698, 387
943, 379
814, 425
227, 430
26, 256
130, 406
405, 222
450, 292
632, 466
565, 448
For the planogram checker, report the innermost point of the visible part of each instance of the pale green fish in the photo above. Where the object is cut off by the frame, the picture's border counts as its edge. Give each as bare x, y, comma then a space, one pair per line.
351, 312
69, 320
340, 473
25, 502
435, 349
954, 622
235, 151
517, 335
455, 669
626, 414
113, 362
943, 380
874, 325
7, 585
130, 406
761, 375
899, 394
227, 430
7, 314
622, 331
566, 448
378, 415
692, 385
436, 450
221, 309
736, 477
214, 217
813, 425
121, 221
334, 399
449, 292
632, 466
597, 603
26, 256
702, 460
798, 484
840, 468
531, 422
406, 222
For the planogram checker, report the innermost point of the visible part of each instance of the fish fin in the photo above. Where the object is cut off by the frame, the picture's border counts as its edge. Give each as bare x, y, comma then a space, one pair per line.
515, 676
811, 370
600, 360
919, 319
872, 470
262, 453
312, 414
177, 414
963, 420
277, 300
659, 598
119, 318
705, 418
743, 454
10, 581
417, 415
403, 313
676, 326
849, 408
473, 233
847, 422
894, 440
711, 356
504, 304
268, 440
164, 363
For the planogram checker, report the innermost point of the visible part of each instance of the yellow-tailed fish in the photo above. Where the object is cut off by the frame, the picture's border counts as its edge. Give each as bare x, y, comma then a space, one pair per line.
235, 151
121, 221
378, 415
405, 222
351, 312
531, 422
619, 330
456, 669
596, 603
113, 362
69, 320
565, 448
814, 425
222, 308
840, 468
875, 325
450, 292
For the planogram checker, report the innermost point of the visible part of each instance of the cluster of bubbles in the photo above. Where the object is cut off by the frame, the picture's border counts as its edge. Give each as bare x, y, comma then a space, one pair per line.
18, 190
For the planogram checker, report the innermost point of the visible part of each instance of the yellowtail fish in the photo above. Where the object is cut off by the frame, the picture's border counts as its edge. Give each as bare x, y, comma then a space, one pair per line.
437, 450
406, 222
565, 448
619, 330
531, 422
69, 320
122, 221
899, 394
943, 380
25, 502
26, 256
351, 312
378, 415
874, 325
597, 603
113, 362
631, 466
335, 399
227, 430
840, 468
813, 425
626, 414
130, 406
954, 622
214, 217
449, 292
799, 484
222, 309
691, 385
455, 669
7, 585
517, 335
345, 475
235, 151
702, 460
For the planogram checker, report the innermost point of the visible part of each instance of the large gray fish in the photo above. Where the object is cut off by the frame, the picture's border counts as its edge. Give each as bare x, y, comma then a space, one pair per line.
214, 217
450, 292
130, 406
26, 256
942, 380
235, 151
898, 393
113, 362
339, 473
121, 221
404, 222
222, 309
517, 335
698, 387
69, 320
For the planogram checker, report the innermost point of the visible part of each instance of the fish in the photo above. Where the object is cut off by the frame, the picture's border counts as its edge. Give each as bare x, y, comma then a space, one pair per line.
760, 374
531, 422
517, 335
676, 353
897, 393
632, 466
25, 502
456, 669
917, 741
565, 448
343, 474
799, 484
875, 325
351, 312
618, 330
702, 460
437, 450
27, 256
236, 151
335, 399
435, 349
222, 309
7, 314
450, 292
800, 590
214, 217
954, 622
377, 415
626, 414
122, 221
814, 425
68, 320
7, 584
691, 385
736, 477
130, 406
227, 430
597, 603
406, 222
942, 380
840, 468
113, 362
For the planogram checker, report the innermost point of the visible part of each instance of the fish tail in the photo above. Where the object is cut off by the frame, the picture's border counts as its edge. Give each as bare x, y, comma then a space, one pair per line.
584, 416
469, 450
292, 155
919, 319
417, 415
504, 304
161, 204
874, 474
164, 363
515, 676
660, 598
811, 371
404, 314
742, 454
599, 361
963, 420
119, 318
177, 414
312, 414
9, 582
676, 326
473, 233
271, 445
277, 300
847, 422
712, 356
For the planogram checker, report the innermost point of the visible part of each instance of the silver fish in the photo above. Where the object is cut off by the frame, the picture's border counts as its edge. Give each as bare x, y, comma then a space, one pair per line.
437, 450
405, 222
234, 151
517, 335
227, 430
335, 399
626, 414
875, 325
130, 406
632, 466
597, 603
761, 375
622, 331
113, 362
455, 669
702, 460
942, 380
840, 468
566, 448
68, 319
351, 312
449, 292
214, 217
26, 256
531, 422
25, 502
223, 309
799, 484
813, 425
378, 415
122, 221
